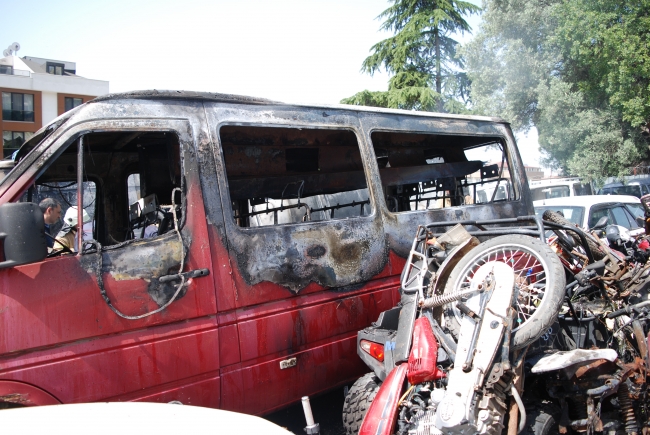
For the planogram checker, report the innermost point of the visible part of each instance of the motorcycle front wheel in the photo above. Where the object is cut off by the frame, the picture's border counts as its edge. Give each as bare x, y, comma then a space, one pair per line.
539, 284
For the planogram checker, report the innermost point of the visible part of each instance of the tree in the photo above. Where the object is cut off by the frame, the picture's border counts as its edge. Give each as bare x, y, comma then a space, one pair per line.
578, 71
421, 57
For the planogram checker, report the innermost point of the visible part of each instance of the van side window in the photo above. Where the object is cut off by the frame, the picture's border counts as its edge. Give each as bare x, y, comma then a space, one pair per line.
289, 175
65, 193
582, 189
425, 171
129, 179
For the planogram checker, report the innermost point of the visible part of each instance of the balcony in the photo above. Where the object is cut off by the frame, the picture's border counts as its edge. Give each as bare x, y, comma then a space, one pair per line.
18, 115
11, 71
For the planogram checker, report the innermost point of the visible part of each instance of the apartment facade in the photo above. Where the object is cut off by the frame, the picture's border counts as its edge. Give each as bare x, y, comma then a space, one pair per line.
34, 92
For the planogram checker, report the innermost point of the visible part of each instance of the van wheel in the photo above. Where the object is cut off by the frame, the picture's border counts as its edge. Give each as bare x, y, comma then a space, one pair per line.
357, 402
539, 284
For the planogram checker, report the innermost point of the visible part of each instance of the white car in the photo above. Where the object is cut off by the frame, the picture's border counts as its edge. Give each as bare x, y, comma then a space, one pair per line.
558, 188
110, 418
585, 211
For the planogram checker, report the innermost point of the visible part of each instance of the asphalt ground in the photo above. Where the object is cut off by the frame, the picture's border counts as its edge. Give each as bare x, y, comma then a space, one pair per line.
327, 409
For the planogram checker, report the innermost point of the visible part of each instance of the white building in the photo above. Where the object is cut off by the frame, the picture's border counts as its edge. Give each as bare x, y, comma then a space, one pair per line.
35, 91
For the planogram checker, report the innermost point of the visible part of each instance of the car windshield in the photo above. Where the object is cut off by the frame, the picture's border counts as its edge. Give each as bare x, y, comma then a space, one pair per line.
634, 190
637, 210
572, 213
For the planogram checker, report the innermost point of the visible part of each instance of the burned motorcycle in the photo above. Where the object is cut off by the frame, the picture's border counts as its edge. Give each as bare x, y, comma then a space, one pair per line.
467, 312
475, 320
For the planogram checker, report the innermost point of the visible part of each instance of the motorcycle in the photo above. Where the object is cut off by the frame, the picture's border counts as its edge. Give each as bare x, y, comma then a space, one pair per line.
479, 324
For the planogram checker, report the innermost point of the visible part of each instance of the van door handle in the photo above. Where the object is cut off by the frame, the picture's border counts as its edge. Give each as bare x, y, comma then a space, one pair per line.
189, 274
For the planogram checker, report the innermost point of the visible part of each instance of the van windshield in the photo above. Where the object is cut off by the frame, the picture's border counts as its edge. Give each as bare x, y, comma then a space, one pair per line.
547, 192
633, 190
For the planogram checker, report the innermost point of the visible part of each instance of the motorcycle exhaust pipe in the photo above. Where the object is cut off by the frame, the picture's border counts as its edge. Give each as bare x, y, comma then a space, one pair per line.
311, 428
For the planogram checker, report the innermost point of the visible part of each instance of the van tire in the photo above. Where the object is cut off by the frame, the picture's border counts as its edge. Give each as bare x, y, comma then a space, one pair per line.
357, 402
545, 313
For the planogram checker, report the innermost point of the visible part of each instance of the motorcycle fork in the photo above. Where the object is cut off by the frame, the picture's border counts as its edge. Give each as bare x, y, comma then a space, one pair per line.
458, 410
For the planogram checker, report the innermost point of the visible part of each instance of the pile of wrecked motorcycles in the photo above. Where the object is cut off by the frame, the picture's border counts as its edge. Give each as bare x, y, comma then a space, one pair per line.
542, 328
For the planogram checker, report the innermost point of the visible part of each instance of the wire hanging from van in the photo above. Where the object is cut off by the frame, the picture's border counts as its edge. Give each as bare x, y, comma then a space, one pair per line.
100, 280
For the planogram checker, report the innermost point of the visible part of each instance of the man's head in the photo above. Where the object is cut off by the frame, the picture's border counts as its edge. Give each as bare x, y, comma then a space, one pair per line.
51, 210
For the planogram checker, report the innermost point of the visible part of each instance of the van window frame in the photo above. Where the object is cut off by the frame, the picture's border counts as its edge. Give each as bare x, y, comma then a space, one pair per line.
226, 199
39, 159
502, 140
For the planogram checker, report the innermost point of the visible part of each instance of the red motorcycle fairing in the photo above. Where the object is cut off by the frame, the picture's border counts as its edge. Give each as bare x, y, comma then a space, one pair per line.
382, 414
422, 363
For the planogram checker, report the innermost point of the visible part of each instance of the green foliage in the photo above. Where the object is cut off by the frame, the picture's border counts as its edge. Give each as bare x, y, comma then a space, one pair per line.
605, 46
421, 56
591, 142
577, 70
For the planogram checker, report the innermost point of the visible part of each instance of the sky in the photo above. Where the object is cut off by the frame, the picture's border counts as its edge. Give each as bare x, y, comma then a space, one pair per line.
295, 51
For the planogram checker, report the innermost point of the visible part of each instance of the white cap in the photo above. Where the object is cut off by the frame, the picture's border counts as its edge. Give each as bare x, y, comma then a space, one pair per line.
70, 217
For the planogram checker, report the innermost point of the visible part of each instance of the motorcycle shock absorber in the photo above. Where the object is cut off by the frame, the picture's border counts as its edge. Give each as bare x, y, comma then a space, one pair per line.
444, 299
627, 410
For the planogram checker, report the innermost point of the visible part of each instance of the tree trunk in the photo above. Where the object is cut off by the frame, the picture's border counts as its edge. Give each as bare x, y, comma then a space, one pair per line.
439, 104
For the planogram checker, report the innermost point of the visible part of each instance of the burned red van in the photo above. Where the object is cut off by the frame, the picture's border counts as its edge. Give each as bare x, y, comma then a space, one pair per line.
231, 247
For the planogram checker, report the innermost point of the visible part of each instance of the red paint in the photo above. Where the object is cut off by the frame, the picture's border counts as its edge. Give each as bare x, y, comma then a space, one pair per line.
382, 414
422, 363
218, 346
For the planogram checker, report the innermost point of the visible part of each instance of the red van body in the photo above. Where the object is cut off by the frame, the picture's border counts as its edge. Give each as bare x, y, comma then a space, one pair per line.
293, 223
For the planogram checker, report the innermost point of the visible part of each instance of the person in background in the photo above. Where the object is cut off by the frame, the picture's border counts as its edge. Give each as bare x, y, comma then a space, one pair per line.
65, 240
51, 209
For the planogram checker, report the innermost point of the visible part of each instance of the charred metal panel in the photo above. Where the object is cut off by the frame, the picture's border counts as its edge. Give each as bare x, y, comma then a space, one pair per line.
145, 260
333, 254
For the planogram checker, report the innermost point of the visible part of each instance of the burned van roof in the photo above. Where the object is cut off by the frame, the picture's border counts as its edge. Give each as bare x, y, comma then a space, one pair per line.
243, 99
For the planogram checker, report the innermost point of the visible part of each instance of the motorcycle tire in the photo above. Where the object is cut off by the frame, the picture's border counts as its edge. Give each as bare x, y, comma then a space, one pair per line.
357, 402
539, 282
594, 247
542, 420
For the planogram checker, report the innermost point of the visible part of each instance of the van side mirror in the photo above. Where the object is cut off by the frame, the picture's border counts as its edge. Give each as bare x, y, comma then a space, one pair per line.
602, 223
22, 234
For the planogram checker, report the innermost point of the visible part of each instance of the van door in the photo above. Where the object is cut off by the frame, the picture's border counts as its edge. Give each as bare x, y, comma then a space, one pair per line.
306, 250
76, 324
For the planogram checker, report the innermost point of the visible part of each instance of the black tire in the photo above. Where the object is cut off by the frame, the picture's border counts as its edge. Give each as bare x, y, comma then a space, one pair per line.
542, 420
358, 400
557, 218
538, 301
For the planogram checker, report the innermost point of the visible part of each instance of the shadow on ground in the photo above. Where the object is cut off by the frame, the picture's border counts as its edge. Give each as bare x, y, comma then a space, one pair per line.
327, 413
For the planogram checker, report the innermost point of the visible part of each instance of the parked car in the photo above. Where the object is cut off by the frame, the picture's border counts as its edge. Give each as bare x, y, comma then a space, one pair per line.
131, 419
238, 244
558, 188
585, 211
635, 187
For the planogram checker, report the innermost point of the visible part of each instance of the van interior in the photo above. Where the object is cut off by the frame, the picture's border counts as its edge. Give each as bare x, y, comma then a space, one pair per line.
282, 175
129, 178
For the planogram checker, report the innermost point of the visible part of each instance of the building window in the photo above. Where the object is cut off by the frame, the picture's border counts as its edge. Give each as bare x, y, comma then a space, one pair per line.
6, 69
17, 107
12, 140
71, 103
54, 68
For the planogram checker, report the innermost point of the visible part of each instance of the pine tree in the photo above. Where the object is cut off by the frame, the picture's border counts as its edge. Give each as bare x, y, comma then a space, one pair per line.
421, 57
